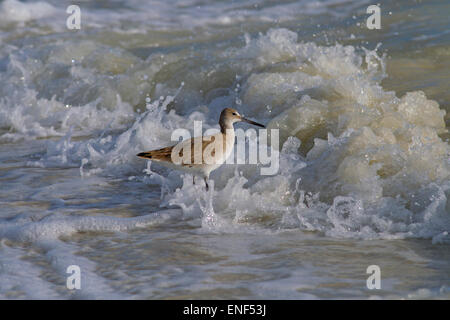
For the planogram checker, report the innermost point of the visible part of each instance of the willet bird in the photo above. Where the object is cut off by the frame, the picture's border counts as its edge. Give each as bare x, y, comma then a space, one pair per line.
201, 155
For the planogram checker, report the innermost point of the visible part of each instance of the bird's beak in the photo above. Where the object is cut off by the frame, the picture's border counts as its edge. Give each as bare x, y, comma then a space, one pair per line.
252, 122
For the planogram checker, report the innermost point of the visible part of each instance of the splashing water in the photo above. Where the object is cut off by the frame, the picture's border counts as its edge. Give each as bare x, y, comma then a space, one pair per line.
358, 160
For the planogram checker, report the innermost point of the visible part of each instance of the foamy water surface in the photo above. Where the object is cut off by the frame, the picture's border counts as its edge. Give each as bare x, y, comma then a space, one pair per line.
364, 173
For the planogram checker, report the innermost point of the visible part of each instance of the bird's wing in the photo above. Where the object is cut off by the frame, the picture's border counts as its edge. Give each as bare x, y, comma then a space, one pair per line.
165, 154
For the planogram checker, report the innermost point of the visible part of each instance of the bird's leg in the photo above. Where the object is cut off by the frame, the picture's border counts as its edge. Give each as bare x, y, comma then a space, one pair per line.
206, 182
193, 179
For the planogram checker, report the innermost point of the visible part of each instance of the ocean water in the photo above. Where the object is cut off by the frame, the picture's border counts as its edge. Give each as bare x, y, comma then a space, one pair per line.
364, 174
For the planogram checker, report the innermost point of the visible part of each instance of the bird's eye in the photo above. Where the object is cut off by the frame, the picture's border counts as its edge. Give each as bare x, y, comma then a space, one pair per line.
234, 114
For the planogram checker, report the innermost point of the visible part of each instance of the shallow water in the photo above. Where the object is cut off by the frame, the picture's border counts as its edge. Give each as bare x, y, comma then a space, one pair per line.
364, 167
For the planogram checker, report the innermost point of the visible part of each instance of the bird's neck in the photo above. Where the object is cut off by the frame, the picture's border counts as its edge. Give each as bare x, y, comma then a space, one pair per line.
226, 125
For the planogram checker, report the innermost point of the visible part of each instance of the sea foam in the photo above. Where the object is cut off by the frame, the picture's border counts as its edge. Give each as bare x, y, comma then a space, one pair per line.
357, 161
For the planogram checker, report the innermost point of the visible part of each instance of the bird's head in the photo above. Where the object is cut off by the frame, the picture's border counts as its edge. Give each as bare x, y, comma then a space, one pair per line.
230, 115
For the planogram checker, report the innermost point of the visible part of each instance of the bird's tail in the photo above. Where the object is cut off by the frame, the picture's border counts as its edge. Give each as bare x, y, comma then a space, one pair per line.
146, 155
163, 154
